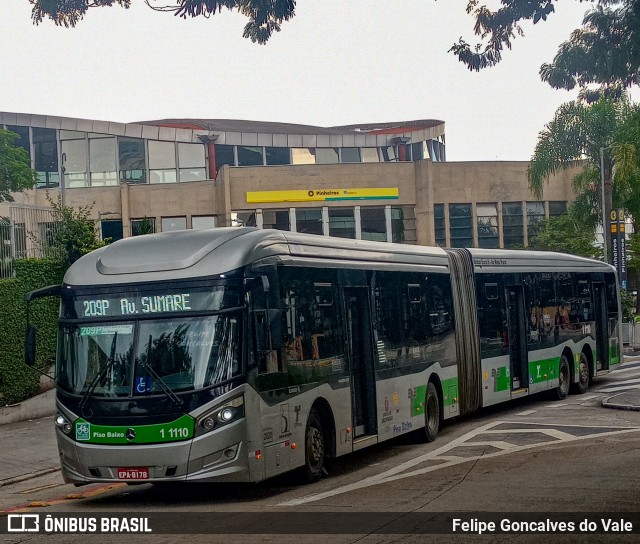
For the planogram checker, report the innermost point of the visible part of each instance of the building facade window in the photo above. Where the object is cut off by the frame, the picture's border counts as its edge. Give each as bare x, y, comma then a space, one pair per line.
162, 162
111, 229
461, 225
191, 162
224, 155
276, 219
102, 161
350, 154
250, 156
387, 153
342, 223
303, 155
277, 155
373, 224
370, 154
512, 225
203, 222
243, 219
327, 155
146, 225
45, 151
309, 220
487, 218
173, 223
440, 226
131, 160
23, 137
557, 207
535, 216
74, 162
403, 224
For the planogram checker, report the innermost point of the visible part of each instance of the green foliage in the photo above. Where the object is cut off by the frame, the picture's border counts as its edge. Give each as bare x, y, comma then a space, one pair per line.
566, 234
17, 381
15, 167
627, 302
265, 16
144, 227
74, 234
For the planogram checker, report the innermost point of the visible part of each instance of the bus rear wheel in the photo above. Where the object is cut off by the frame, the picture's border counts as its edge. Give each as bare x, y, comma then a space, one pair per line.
564, 378
431, 413
314, 449
583, 376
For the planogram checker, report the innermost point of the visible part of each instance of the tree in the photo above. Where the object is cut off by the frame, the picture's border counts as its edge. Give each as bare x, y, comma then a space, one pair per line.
73, 234
568, 233
579, 131
265, 16
15, 167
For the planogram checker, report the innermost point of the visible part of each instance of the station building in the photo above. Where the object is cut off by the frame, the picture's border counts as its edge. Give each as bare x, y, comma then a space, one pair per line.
381, 181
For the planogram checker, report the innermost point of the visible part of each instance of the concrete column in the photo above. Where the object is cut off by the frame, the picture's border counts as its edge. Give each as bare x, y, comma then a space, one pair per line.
425, 223
125, 213
222, 202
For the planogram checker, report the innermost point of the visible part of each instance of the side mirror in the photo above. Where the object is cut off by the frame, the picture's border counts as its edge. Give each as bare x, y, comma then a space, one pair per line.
30, 346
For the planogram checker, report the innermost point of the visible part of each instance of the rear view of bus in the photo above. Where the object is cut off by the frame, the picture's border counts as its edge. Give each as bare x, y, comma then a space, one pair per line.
149, 368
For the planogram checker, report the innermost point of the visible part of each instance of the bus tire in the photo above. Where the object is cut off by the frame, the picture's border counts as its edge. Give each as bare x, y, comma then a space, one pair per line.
564, 378
314, 449
584, 376
431, 413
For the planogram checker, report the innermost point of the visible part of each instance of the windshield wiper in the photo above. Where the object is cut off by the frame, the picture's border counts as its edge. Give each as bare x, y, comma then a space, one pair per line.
106, 366
165, 388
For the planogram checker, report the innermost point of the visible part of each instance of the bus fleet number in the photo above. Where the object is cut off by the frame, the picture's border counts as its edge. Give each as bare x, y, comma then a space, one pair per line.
175, 432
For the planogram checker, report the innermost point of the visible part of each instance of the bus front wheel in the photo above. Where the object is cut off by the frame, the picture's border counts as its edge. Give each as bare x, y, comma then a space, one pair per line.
564, 378
314, 449
431, 413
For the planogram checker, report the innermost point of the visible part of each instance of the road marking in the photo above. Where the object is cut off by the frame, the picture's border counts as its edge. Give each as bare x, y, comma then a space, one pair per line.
39, 488
400, 471
92, 492
620, 388
526, 413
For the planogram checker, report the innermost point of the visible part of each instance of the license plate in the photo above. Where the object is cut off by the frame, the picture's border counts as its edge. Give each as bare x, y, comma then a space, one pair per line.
138, 473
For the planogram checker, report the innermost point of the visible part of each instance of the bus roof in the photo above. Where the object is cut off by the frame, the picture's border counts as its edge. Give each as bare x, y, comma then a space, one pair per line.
497, 260
192, 254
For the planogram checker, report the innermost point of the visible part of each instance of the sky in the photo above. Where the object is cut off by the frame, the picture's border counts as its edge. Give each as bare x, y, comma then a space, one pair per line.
335, 63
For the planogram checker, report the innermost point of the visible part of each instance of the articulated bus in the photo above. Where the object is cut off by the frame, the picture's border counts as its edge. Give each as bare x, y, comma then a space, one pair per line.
237, 354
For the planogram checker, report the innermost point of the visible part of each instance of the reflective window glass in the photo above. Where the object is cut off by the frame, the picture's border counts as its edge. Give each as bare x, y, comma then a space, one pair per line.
173, 223
249, 156
146, 225
373, 224
243, 219
193, 174
161, 155
535, 216
350, 154
45, 150
309, 220
74, 162
191, 155
387, 154
278, 155
111, 229
131, 160
224, 155
23, 137
370, 154
326, 155
342, 223
102, 161
461, 225
557, 208
275, 219
512, 225
303, 155
203, 222
487, 217
162, 176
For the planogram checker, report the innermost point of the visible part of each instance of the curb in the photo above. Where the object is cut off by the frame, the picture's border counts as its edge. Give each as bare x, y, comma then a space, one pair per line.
24, 477
616, 406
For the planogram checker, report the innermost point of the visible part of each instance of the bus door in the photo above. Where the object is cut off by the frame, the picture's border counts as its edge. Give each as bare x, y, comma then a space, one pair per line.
517, 327
363, 390
602, 326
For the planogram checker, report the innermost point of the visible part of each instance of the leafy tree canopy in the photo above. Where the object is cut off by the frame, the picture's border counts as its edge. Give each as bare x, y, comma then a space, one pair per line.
265, 16
15, 167
568, 233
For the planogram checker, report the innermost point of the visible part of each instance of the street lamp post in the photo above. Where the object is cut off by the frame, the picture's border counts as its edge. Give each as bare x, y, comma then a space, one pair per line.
604, 212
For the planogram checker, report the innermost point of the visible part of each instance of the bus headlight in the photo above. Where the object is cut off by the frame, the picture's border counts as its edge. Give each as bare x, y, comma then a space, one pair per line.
230, 411
63, 424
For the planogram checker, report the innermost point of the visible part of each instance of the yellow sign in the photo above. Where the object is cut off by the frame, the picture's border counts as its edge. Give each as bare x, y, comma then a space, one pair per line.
322, 195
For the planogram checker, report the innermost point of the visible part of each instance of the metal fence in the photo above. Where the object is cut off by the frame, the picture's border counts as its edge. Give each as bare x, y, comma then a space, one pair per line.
26, 233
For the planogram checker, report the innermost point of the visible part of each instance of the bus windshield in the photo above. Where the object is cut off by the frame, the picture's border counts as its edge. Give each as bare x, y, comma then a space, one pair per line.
140, 358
